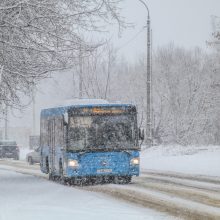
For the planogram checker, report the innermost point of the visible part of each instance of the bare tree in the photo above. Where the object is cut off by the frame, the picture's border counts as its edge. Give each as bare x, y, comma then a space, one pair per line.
97, 71
40, 36
186, 90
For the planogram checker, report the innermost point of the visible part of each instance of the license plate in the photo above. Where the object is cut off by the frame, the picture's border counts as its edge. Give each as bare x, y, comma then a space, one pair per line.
104, 171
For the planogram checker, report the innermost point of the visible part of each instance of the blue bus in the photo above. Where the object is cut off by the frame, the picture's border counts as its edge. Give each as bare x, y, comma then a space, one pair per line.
90, 141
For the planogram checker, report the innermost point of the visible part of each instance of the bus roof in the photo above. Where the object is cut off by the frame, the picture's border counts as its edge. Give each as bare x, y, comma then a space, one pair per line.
61, 108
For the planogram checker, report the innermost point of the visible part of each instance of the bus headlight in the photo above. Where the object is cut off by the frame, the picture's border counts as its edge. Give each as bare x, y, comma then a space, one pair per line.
135, 161
73, 163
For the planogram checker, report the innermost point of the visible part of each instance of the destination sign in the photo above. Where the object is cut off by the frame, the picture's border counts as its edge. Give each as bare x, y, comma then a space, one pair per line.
97, 110
107, 111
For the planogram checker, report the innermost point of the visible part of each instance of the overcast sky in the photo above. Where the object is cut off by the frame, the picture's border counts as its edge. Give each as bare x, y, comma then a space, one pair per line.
187, 23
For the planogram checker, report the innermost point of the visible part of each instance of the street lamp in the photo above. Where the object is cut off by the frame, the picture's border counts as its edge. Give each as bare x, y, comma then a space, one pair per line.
34, 108
149, 95
6, 121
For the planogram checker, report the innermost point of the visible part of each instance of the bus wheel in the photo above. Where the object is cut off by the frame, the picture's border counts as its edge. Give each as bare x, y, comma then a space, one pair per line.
63, 179
76, 181
47, 165
51, 177
122, 179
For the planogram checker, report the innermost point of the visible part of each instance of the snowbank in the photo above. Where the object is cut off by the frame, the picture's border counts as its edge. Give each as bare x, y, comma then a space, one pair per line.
202, 160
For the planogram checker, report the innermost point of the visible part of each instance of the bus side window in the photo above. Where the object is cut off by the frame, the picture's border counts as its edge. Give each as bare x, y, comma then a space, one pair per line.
48, 133
65, 142
58, 132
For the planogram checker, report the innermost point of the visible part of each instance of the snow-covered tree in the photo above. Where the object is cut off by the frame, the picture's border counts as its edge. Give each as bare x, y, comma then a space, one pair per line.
40, 36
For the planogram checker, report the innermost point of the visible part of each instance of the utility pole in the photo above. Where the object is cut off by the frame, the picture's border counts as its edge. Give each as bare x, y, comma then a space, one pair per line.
6, 122
80, 72
149, 82
33, 112
109, 71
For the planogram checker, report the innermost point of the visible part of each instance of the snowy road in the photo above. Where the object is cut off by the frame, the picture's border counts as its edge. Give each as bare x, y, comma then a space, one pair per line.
186, 196
32, 197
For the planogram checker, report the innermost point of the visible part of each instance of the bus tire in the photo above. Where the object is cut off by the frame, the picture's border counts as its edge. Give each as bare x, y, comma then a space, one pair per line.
63, 179
122, 179
51, 177
47, 166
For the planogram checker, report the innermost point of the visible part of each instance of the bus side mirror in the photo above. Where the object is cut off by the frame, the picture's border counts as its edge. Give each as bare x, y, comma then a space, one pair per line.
141, 134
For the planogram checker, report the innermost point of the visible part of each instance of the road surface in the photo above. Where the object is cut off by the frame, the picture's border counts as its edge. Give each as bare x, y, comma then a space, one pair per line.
171, 194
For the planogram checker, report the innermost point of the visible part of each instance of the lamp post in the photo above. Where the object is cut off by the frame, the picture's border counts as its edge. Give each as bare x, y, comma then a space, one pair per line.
6, 121
149, 87
33, 110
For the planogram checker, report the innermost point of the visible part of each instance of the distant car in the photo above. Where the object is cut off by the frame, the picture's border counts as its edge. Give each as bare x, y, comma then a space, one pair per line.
33, 156
9, 149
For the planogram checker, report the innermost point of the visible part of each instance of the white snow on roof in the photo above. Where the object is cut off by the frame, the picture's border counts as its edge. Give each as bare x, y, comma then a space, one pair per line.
83, 102
70, 102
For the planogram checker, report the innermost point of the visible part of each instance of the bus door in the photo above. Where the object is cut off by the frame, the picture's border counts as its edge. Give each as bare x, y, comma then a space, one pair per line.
52, 144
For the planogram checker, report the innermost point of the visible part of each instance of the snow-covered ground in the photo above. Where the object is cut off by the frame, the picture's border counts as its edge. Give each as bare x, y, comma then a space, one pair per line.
30, 197
27, 197
202, 160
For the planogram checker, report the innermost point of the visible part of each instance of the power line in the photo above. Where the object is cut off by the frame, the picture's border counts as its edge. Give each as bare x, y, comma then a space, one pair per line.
132, 39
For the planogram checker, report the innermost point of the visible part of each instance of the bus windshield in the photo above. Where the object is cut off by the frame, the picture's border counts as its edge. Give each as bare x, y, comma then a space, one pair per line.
101, 132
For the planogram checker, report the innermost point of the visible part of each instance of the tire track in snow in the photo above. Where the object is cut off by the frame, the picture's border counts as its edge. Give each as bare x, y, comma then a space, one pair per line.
200, 178
184, 209
164, 192
185, 192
